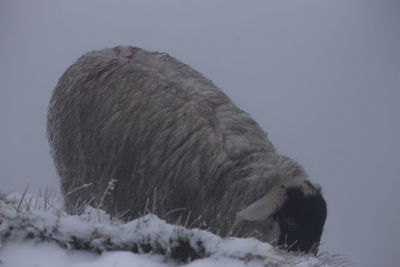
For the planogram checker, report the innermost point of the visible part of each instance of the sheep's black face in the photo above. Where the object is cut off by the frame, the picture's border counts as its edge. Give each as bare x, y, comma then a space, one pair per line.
301, 221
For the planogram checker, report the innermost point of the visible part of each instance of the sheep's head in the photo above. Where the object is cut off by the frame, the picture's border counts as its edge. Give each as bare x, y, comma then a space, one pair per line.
301, 220
299, 212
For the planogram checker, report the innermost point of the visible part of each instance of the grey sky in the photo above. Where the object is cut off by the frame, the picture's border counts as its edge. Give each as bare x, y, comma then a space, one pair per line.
322, 77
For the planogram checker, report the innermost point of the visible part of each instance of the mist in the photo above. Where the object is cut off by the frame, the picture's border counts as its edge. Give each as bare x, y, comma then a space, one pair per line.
321, 77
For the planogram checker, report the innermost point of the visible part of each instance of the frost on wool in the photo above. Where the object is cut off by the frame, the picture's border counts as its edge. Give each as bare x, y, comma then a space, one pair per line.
176, 145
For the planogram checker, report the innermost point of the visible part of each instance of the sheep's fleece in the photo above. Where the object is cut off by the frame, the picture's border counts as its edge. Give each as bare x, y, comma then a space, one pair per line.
133, 131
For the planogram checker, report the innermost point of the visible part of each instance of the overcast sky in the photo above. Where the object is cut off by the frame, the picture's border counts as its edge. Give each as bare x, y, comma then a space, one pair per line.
322, 77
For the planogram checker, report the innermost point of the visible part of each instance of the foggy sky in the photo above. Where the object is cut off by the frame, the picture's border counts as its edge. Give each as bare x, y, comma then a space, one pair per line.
321, 77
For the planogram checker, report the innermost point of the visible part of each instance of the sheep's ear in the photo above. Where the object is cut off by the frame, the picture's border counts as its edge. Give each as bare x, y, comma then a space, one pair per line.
264, 207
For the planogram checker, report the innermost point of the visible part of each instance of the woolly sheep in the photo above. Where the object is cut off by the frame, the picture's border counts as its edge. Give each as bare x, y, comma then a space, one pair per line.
133, 131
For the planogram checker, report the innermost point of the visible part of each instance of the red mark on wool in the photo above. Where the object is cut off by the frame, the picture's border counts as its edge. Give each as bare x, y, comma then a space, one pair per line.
126, 51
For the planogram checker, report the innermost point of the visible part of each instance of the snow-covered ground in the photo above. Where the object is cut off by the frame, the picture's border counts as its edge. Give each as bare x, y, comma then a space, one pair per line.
35, 231
50, 255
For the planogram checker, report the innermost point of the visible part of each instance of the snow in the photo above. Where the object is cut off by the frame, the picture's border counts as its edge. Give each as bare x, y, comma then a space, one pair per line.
32, 236
45, 254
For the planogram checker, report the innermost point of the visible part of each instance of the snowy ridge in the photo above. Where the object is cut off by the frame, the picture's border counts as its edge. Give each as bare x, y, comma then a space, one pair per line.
20, 221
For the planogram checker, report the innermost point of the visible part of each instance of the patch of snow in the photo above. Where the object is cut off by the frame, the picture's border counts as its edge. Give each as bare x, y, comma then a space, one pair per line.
49, 237
29, 254
124, 258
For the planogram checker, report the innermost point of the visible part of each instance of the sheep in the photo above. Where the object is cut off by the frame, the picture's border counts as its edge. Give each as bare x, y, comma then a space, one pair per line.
133, 131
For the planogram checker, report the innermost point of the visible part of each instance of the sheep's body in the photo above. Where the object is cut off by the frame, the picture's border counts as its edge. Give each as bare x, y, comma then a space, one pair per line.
173, 142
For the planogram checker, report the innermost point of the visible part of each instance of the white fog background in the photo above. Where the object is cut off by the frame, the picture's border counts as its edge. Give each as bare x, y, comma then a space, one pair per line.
322, 77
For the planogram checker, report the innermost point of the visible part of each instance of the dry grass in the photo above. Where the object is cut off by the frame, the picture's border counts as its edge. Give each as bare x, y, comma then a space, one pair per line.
27, 202
46, 200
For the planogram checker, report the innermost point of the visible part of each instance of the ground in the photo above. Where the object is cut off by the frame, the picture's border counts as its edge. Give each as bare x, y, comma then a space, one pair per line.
35, 231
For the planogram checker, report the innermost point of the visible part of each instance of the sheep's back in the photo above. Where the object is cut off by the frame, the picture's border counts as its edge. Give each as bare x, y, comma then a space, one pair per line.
164, 132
